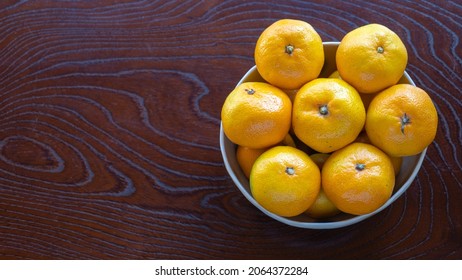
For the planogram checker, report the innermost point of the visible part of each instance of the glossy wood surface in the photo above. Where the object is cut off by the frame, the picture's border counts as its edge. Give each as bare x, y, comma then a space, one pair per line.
109, 131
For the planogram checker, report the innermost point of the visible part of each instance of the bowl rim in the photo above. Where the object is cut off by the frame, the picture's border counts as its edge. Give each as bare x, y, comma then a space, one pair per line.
224, 141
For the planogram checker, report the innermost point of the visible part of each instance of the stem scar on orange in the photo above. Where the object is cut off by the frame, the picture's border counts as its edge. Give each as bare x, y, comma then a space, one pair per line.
256, 115
371, 58
396, 161
328, 114
358, 178
289, 53
285, 181
402, 120
246, 156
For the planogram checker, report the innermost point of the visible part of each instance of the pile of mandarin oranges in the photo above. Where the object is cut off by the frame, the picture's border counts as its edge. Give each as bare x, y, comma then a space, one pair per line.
319, 146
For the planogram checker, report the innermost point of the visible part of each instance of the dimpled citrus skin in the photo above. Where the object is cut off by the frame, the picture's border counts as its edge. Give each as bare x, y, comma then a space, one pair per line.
256, 115
289, 53
358, 178
396, 161
338, 125
285, 181
402, 120
322, 206
246, 156
371, 58
365, 97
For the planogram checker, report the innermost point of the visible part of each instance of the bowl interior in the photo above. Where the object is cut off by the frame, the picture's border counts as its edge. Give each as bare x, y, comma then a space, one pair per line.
408, 172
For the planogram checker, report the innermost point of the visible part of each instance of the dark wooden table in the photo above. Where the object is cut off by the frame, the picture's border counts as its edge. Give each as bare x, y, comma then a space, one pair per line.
109, 125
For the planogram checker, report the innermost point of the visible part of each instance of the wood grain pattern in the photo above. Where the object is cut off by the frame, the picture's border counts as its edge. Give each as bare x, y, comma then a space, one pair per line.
109, 121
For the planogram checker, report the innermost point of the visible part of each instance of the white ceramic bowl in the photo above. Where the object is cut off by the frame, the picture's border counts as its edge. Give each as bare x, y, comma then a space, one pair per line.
409, 169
